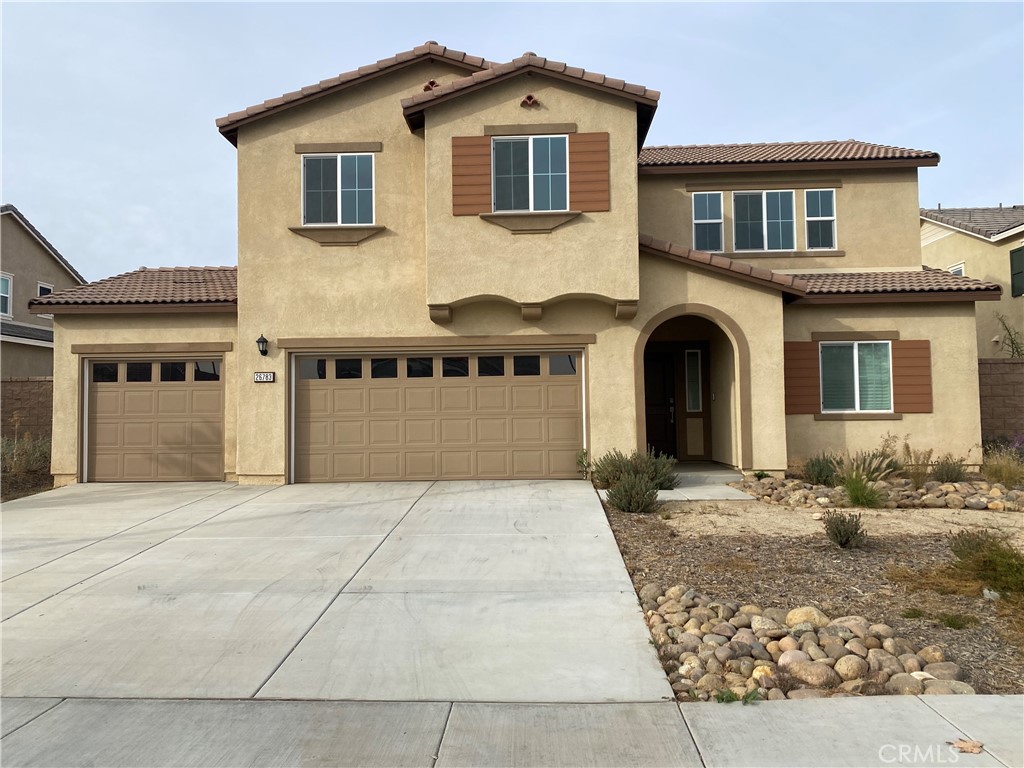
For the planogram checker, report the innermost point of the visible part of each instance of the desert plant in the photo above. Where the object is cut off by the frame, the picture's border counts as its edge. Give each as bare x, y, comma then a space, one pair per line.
633, 493
1003, 466
844, 529
949, 469
957, 620
873, 465
1013, 341
659, 468
916, 464
24, 455
821, 469
761, 475
860, 490
989, 557
608, 469
913, 613
583, 463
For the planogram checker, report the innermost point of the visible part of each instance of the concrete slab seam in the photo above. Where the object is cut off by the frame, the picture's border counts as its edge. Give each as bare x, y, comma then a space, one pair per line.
444, 732
122, 562
958, 729
689, 732
118, 533
33, 719
331, 602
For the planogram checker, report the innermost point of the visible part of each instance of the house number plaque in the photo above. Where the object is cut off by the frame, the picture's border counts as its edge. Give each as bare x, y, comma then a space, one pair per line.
262, 377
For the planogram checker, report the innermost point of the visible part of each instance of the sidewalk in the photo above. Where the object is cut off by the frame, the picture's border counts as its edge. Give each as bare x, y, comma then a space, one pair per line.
878, 731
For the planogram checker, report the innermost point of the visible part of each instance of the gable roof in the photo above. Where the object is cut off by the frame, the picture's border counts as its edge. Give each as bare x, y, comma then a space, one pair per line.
989, 223
851, 153
191, 288
8, 209
429, 51
645, 98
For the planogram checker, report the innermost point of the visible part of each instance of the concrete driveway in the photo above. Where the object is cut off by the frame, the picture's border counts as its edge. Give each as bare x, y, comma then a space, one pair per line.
500, 591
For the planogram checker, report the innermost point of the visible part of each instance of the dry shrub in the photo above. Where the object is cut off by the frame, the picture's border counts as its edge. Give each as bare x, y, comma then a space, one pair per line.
1003, 466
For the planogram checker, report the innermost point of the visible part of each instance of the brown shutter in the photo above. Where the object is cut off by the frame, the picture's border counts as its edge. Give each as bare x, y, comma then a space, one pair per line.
800, 370
912, 376
589, 177
471, 175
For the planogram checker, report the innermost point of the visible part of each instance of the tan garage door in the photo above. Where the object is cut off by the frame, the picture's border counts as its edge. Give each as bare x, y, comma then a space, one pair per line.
431, 416
155, 420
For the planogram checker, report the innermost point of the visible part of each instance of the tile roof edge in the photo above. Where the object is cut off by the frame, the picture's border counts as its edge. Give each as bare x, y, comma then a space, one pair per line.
937, 216
23, 220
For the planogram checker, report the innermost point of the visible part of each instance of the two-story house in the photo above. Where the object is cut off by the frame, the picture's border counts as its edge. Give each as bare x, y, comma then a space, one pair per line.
988, 244
452, 268
30, 267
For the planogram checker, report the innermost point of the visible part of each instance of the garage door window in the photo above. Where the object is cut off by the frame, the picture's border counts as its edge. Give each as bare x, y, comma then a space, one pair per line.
455, 367
490, 365
562, 365
172, 371
348, 368
139, 372
419, 367
384, 368
206, 370
104, 373
312, 368
526, 365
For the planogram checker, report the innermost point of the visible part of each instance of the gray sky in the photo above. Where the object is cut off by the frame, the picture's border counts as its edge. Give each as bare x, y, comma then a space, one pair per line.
110, 149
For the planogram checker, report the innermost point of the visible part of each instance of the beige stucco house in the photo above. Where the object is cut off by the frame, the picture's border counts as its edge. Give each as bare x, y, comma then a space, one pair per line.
452, 268
29, 267
988, 244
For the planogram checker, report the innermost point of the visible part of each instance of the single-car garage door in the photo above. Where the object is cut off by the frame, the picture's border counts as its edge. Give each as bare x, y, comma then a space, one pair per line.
155, 420
447, 415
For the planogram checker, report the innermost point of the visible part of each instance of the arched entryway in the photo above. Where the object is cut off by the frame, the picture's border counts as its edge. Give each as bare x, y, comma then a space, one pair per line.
690, 390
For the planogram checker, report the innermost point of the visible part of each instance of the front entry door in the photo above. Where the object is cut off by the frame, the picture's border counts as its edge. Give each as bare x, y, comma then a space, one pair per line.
678, 413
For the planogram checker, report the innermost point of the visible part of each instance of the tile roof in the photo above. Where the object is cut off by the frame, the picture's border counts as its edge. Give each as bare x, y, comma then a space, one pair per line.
700, 155
8, 208
925, 280
430, 50
25, 332
716, 262
147, 286
990, 223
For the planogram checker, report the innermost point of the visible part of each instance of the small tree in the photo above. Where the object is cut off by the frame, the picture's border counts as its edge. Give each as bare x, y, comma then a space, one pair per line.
1013, 340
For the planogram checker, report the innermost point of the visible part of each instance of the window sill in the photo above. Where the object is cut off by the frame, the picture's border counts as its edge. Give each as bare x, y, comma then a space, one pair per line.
858, 417
782, 254
335, 235
530, 222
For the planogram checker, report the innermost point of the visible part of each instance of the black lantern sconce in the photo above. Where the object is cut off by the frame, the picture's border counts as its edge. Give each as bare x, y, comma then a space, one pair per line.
261, 345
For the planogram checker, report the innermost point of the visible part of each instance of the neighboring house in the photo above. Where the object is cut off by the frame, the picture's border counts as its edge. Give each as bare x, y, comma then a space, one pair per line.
461, 269
31, 267
987, 244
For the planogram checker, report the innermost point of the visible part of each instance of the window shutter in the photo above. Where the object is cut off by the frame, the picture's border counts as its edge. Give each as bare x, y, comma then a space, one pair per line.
912, 376
589, 176
471, 175
1017, 272
800, 370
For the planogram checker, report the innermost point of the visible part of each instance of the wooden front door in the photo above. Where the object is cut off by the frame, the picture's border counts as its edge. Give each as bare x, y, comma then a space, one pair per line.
677, 388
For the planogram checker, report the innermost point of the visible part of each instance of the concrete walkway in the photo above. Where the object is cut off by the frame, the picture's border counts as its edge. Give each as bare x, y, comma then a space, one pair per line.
448, 624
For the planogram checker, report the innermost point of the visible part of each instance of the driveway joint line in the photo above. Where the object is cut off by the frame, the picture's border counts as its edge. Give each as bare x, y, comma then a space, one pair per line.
444, 732
33, 719
957, 727
689, 732
118, 533
338, 593
130, 557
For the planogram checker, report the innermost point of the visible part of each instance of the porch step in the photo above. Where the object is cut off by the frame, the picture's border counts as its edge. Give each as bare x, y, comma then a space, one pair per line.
695, 473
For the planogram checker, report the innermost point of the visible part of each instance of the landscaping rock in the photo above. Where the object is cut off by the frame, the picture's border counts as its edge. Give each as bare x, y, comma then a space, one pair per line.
807, 614
792, 657
806, 693
851, 667
882, 661
944, 670
904, 685
812, 673
932, 654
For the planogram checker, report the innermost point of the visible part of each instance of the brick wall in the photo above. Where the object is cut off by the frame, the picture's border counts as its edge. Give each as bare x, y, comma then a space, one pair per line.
30, 399
1002, 397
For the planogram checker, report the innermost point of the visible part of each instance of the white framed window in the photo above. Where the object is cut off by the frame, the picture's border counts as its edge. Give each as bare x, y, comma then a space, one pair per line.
6, 284
956, 269
44, 289
338, 189
707, 221
856, 376
820, 213
530, 173
763, 221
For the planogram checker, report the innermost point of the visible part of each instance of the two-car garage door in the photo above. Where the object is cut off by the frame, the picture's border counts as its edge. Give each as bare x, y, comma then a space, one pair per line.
388, 416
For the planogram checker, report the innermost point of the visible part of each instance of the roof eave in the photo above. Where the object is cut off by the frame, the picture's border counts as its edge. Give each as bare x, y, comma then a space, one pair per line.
137, 308
1017, 230
27, 225
800, 165
897, 297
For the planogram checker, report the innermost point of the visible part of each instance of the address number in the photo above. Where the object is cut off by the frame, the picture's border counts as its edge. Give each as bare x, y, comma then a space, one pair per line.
261, 377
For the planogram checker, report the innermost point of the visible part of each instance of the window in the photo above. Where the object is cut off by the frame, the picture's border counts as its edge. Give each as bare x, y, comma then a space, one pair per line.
104, 373
707, 221
1017, 272
821, 218
172, 371
138, 372
206, 370
419, 367
526, 365
562, 365
694, 395
490, 365
348, 368
5, 295
384, 368
957, 269
337, 189
856, 376
763, 221
312, 368
454, 367
531, 173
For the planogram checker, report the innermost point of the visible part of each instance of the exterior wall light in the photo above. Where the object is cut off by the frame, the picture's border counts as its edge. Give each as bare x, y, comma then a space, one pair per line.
261, 345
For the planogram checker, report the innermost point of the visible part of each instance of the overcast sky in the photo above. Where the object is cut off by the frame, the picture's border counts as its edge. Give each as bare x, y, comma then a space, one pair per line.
110, 149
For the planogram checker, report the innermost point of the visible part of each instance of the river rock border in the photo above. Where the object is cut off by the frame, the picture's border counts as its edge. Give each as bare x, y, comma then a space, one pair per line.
898, 494
724, 650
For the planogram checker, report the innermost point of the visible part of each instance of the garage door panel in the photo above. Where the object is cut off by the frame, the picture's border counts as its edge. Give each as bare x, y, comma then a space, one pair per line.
139, 403
106, 435
172, 466
206, 466
139, 466
105, 465
206, 401
138, 434
480, 420
173, 402
205, 435
168, 434
106, 403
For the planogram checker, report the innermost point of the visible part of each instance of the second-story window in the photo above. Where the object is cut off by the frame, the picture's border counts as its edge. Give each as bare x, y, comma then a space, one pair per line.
337, 189
763, 221
5, 296
707, 221
531, 173
821, 218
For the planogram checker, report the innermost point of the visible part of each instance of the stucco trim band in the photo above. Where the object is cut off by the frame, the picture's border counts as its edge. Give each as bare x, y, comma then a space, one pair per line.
339, 146
530, 222
371, 343
854, 335
740, 255
710, 186
857, 416
337, 236
184, 347
529, 129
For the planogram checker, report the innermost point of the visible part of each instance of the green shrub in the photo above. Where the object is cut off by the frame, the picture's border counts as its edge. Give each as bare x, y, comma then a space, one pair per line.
762, 475
989, 557
913, 613
24, 455
608, 469
949, 469
583, 463
861, 491
821, 469
873, 465
957, 620
1003, 466
659, 469
844, 529
633, 493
